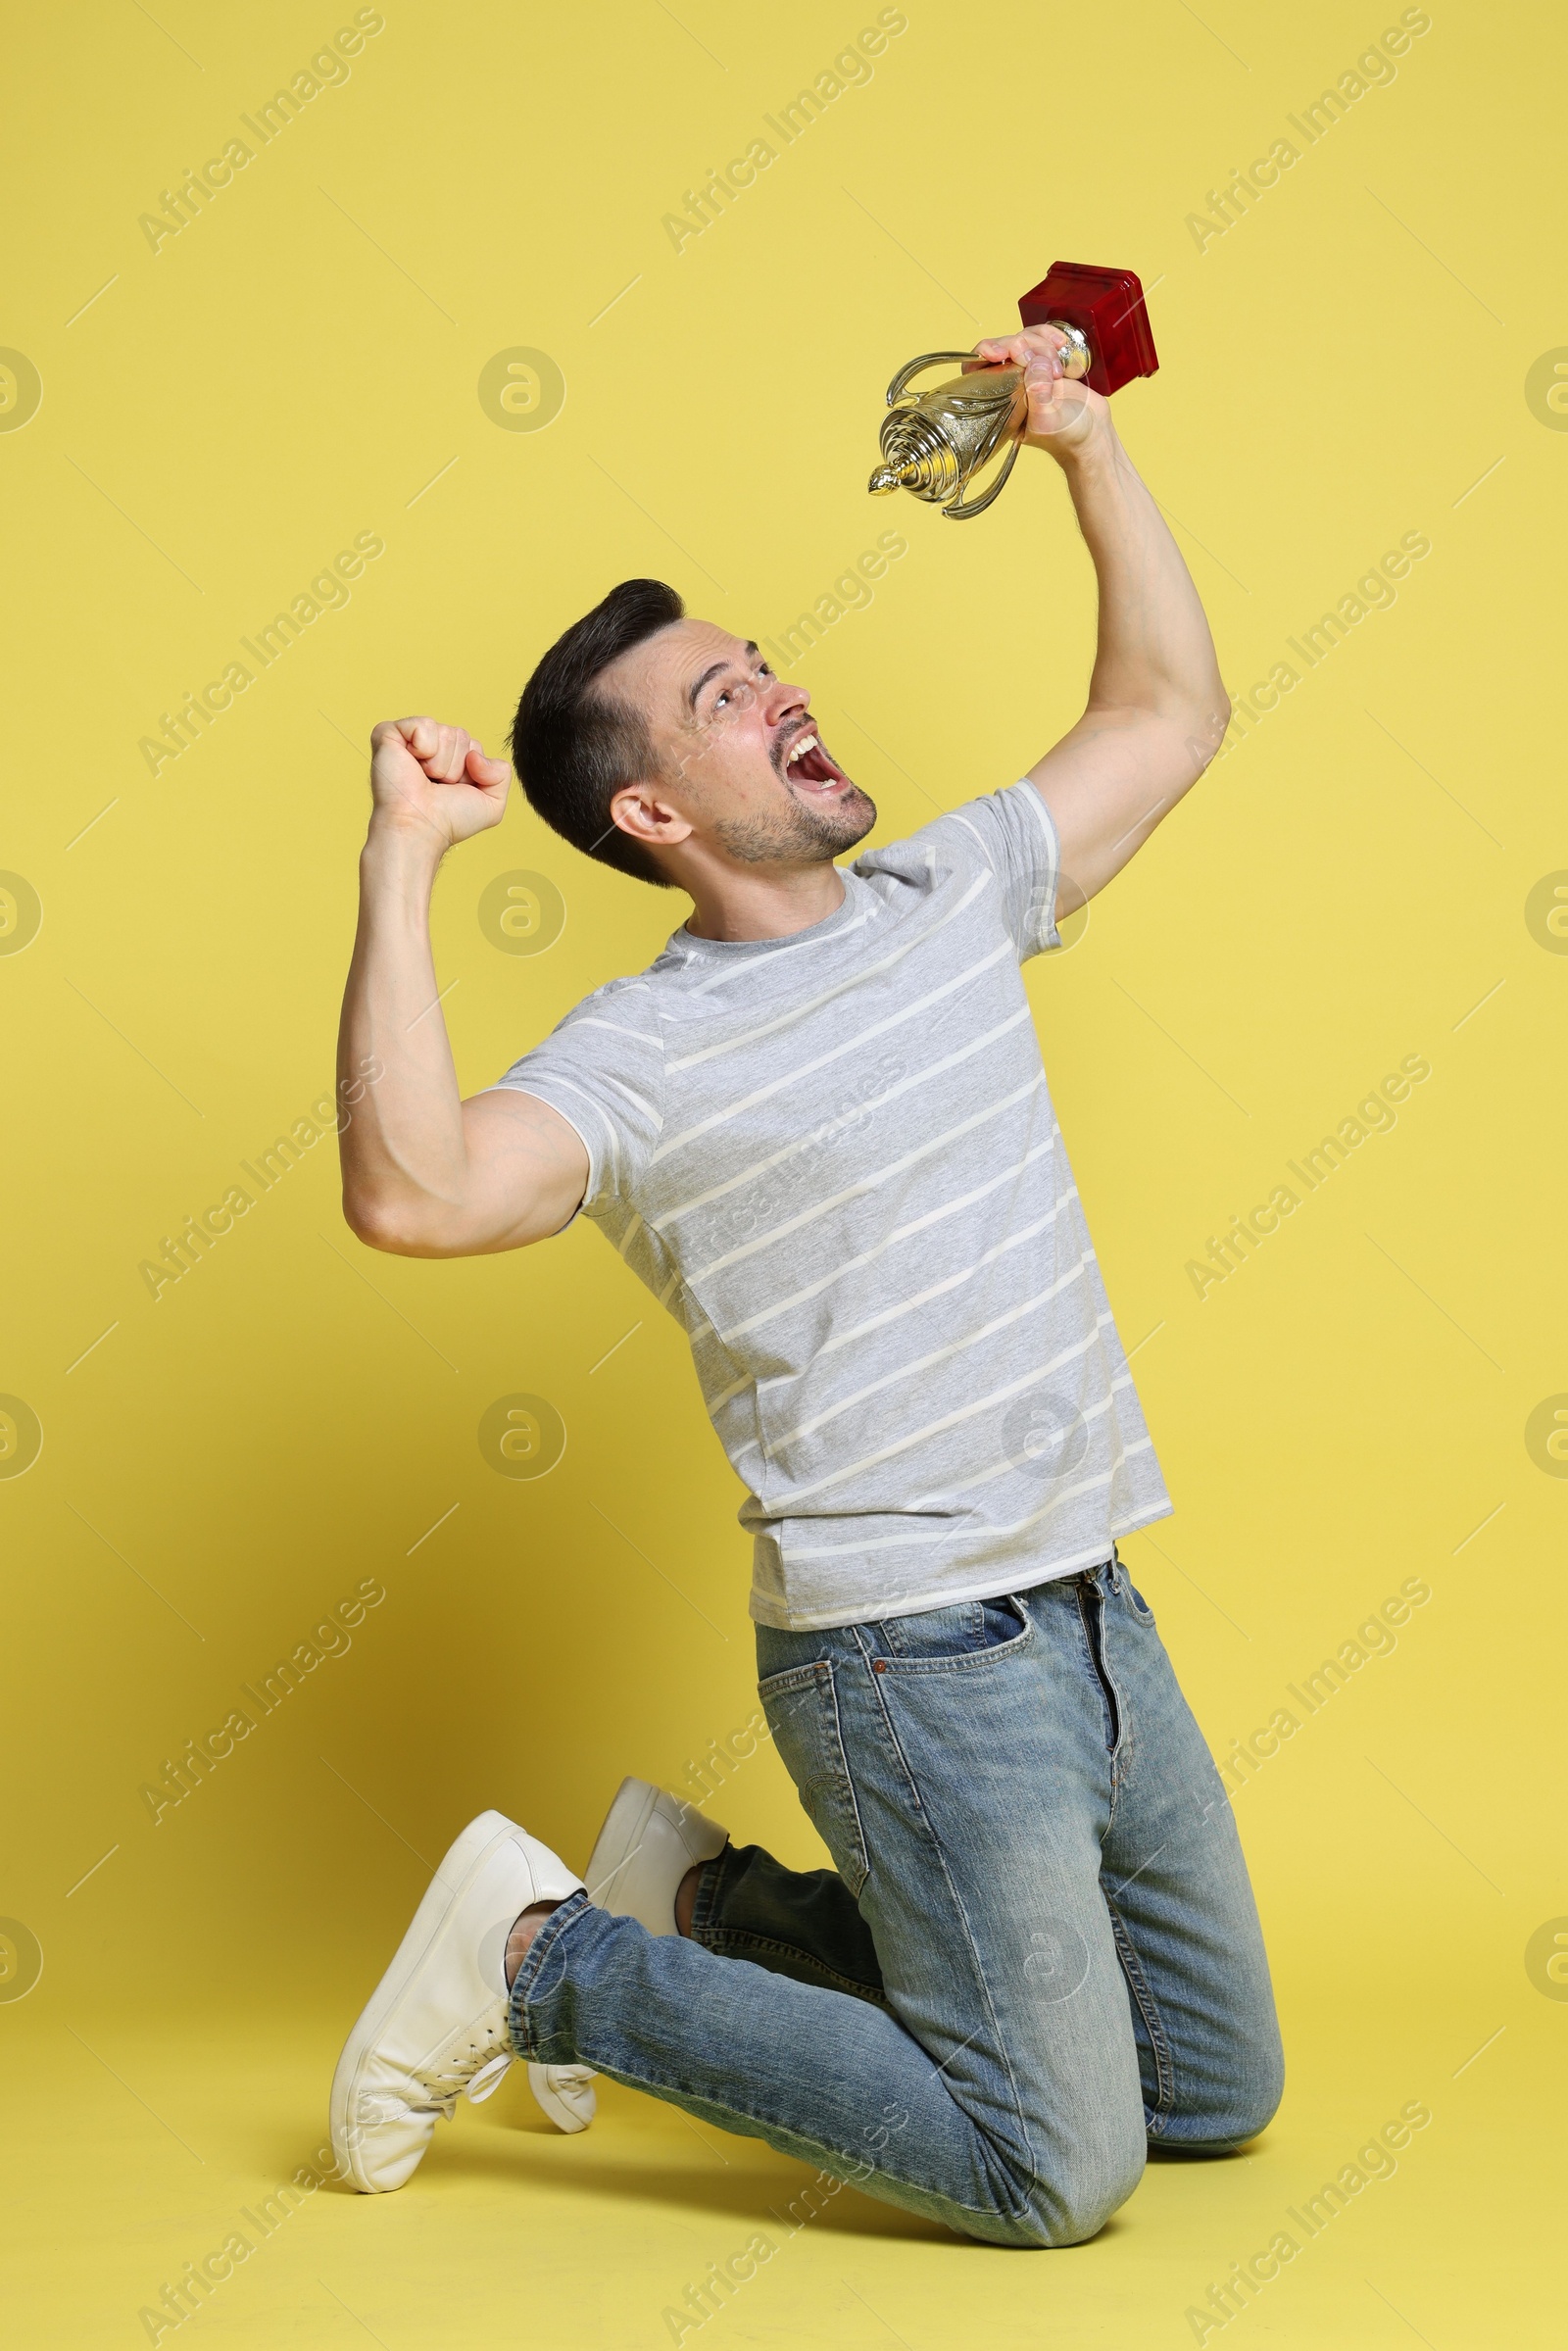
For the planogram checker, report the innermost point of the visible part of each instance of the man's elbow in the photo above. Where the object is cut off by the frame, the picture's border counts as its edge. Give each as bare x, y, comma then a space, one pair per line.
1209, 723
389, 1225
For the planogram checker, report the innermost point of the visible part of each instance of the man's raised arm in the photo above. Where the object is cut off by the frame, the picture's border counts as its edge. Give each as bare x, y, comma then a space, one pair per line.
1158, 711
426, 1174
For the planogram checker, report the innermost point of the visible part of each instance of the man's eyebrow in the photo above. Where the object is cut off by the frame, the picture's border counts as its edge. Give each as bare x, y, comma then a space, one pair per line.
715, 669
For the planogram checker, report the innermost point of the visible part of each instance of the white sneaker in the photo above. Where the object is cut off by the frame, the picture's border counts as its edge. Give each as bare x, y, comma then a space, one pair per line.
650, 1839
436, 2024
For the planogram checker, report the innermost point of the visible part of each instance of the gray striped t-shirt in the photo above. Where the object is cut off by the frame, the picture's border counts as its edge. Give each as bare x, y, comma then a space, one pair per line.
833, 1156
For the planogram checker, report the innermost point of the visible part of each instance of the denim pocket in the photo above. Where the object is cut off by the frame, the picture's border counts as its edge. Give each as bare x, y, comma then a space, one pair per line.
1135, 1600
976, 1633
802, 1713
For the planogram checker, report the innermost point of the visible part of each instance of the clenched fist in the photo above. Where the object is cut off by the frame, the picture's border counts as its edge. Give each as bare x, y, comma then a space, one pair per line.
435, 779
1063, 415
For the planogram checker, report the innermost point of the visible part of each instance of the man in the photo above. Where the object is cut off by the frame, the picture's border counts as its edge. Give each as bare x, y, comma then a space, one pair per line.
819, 1128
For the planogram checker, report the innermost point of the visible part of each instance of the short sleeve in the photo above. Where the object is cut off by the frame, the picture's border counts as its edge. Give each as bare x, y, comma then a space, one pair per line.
603, 1070
1012, 832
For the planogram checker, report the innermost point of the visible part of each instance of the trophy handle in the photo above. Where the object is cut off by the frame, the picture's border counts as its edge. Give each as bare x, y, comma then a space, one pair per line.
977, 506
929, 359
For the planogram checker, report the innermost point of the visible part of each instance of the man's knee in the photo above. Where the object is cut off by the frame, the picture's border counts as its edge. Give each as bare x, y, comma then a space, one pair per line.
1248, 2117
1261, 2103
1259, 2087
1077, 2207
1226, 2120
1077, 2198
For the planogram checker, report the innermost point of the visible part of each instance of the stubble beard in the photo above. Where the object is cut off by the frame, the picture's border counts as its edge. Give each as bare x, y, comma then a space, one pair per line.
803, 836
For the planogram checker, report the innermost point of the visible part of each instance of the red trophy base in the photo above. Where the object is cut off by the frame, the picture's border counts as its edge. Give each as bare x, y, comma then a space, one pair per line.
1107, 307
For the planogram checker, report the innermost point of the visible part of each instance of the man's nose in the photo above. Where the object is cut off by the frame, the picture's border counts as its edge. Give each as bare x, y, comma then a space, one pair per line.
782, 698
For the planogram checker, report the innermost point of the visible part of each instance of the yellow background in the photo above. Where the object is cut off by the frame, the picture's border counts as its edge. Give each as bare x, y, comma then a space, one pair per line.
1344, 364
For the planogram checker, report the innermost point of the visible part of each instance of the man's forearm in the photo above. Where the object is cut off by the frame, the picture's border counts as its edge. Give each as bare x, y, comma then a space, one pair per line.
1154, 650
1157, 709
403, 1149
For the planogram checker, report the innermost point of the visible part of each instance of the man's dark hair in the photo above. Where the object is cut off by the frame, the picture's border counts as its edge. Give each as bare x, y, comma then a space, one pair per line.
573, 745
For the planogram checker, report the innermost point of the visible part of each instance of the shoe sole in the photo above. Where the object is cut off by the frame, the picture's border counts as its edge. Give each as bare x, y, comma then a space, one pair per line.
476, 1843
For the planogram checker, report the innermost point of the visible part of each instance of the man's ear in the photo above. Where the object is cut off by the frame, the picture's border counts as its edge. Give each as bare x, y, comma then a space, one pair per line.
641, 810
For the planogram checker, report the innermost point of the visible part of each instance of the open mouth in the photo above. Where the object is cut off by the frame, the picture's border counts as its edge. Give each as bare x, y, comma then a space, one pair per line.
807, 763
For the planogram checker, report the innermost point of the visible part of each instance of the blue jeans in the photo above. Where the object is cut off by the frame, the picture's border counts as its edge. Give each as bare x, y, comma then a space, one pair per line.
1038, 1953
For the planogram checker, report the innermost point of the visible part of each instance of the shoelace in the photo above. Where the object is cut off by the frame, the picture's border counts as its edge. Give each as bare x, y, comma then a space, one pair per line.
473, 2074
485, 2078
488, 2080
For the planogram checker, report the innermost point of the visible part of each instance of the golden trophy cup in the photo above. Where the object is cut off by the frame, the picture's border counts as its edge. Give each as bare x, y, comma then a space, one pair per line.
935, 443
